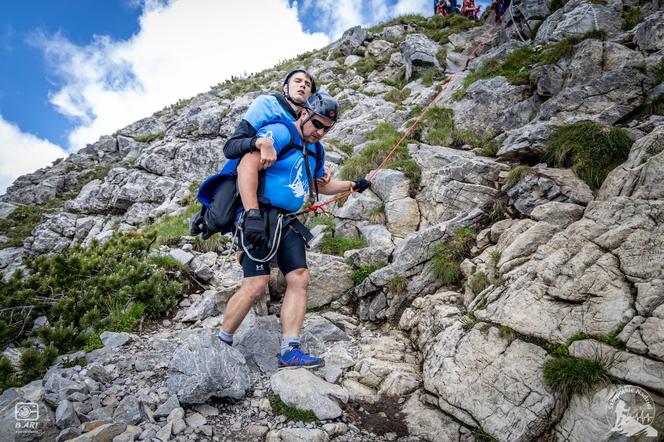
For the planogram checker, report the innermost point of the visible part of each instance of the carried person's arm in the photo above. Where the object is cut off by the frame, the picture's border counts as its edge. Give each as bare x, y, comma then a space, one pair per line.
247, 180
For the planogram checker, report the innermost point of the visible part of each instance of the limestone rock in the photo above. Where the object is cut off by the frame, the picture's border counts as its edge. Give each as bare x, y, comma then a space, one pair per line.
302, 389
558, 214
631, 368
351, 39
576, 18
642, 175
492, 106
526, 142
540, 185
330, 279
204, 307
598, 99
203, 367
454, 182
649, 35
582, 273
429, 424
258, 341
485, 380
419, 53
297, 435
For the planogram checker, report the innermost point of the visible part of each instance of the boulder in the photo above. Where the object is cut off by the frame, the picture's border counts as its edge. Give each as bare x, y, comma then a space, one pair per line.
419, 53
649, 35
351, 39
492, 106
578, 17
540, 185
579, 280
488, 381
599, 99
526, 143
203, 367
301, 389
557, 213
330, 279
454, 182
642, 175
258, 341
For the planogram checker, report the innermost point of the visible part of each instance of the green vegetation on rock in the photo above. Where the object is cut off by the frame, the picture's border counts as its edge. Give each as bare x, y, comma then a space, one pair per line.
361, 273
83, 291
337, 245
572, 375
292, 413
447, 258
590, 149
380, 141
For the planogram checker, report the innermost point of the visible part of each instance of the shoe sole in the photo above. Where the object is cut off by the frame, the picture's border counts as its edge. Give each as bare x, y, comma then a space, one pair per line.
289, 367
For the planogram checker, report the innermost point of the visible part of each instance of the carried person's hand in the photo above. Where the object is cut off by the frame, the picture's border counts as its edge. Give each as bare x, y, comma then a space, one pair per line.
361, 185
254, 228
268, 153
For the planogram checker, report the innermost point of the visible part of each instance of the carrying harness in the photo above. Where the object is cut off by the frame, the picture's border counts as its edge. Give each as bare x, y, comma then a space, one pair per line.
211, 190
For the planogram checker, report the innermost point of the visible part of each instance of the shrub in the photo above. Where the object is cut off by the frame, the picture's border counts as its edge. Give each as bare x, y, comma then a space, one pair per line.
362, 273
337, 245
447, 258
326, 221
631, 18
34, 363
516, 174
590, 149
99, 287
478, 282
659, 71
397, 96
292, 413
149, 138
397, 285
571, 375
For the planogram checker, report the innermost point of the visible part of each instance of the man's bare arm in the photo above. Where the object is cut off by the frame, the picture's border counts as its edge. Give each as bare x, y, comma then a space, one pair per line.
333, 187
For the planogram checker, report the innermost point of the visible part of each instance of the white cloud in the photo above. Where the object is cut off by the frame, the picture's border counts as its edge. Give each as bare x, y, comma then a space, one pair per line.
181, 49
422, 7
22, 153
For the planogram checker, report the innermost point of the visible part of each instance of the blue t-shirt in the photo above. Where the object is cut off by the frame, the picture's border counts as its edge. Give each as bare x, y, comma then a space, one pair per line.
286, 183
266, 108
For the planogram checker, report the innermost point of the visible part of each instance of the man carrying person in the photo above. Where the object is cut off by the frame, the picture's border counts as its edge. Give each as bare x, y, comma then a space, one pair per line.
270, 193
297, 88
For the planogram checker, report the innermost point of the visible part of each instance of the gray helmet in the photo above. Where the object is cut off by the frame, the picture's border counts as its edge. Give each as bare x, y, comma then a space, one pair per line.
304, 71
323, 104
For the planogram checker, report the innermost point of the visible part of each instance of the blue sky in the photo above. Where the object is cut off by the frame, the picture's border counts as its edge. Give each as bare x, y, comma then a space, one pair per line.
73, 70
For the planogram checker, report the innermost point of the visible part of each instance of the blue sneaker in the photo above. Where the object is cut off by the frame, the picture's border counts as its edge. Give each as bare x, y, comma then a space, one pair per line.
296, 358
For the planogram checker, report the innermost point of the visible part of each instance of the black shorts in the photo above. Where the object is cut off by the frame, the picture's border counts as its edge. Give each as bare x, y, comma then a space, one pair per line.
290, 255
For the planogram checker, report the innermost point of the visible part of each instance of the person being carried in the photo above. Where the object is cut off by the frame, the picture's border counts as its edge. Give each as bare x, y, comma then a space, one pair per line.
297, 87
266, 225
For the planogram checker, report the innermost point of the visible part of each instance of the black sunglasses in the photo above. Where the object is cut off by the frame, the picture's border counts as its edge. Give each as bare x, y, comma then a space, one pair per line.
319, 125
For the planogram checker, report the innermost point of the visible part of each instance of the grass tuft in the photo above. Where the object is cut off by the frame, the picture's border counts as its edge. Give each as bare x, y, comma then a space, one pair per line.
360, 274
590, 149
337, 245
295, 414
381, 140
447, 258
631, 18
571, 375
516, 174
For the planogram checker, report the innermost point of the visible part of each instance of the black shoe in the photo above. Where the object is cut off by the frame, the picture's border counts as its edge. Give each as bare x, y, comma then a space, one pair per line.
197, 225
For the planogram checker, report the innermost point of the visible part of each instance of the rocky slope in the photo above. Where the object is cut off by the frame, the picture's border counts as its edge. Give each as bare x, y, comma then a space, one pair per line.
554, 264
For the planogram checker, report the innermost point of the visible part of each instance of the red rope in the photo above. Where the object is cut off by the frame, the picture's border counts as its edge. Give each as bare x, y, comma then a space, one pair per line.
483, 40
